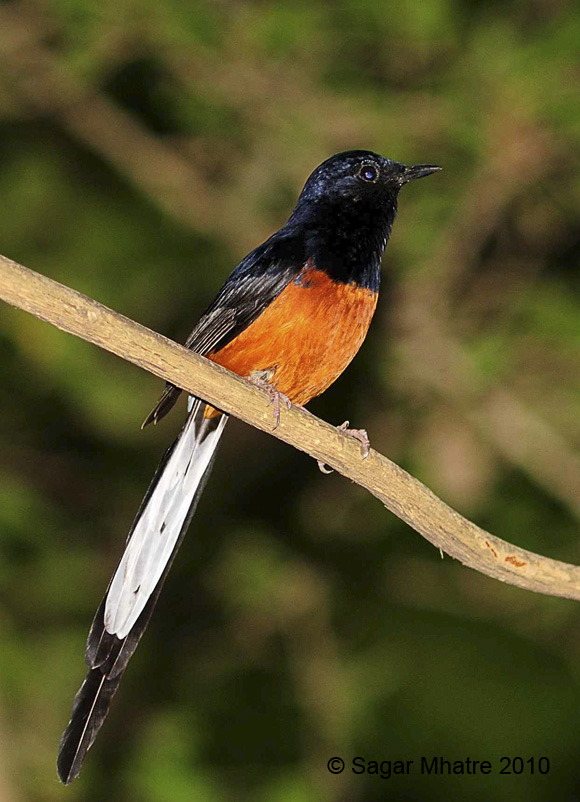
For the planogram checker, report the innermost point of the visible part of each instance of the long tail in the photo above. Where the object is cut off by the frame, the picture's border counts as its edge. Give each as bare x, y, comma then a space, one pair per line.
124, 613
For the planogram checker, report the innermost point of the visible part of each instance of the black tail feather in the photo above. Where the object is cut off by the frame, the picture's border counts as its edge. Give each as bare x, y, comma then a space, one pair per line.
90, 707
93, 700
107, 655
165, 404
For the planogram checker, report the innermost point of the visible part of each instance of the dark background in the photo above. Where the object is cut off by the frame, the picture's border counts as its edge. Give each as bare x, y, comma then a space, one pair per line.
145, 147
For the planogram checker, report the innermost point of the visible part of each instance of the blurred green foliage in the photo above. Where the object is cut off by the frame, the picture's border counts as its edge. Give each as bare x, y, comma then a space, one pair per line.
144, 148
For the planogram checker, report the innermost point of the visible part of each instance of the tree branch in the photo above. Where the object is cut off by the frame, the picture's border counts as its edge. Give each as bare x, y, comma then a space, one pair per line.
401, 493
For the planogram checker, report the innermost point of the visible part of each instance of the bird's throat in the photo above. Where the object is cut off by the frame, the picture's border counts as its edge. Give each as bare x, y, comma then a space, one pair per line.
349, 244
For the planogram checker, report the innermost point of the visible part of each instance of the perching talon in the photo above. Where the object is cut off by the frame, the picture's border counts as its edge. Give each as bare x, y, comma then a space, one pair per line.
275, 398
358, 434
262, 379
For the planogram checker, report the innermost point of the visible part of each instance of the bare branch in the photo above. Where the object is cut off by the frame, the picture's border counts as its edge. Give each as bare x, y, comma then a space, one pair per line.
401, 493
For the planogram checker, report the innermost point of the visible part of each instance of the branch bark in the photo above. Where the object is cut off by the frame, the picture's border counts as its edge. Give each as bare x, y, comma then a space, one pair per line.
399, 491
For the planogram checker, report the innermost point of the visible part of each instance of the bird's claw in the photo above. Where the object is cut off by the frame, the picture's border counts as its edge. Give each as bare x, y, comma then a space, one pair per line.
322, 467
275, 398
261, 380
358, 434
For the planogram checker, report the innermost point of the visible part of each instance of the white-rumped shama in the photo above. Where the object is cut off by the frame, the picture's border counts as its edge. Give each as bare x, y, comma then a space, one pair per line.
292, 315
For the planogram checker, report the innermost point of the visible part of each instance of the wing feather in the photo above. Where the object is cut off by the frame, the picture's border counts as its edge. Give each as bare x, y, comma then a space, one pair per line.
251, 288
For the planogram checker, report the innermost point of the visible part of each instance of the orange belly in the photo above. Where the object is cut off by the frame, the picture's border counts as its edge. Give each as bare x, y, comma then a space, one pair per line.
305, 339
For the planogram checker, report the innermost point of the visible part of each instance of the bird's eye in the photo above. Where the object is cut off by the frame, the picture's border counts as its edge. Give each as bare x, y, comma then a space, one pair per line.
369, 172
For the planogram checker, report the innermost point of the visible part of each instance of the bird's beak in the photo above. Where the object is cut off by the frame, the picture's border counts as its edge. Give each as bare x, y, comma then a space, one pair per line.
418, 171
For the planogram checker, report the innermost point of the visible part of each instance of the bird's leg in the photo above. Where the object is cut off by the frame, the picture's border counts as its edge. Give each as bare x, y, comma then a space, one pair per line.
262, 378
358, 434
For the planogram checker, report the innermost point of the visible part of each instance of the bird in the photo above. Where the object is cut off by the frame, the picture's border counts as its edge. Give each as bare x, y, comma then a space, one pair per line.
290, 317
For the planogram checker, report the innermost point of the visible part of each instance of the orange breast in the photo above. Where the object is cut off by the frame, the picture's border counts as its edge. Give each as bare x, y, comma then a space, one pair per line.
305, 338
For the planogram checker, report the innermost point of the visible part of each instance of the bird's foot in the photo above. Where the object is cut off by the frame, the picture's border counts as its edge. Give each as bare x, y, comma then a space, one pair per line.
322, 467
358, 434
276, 397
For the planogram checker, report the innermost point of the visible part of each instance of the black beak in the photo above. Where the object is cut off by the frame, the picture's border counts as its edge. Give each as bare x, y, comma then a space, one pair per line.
418, 171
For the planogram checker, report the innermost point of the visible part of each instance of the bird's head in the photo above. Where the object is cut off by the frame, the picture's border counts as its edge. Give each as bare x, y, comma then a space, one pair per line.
359, 176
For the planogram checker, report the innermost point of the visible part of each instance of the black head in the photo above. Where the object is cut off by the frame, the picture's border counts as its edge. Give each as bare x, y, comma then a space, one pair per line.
346, 210
360, 175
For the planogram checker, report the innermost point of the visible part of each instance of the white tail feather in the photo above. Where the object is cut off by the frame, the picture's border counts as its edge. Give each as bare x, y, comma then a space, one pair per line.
160, 523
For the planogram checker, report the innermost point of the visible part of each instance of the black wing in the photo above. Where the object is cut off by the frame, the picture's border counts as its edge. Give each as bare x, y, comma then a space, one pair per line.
251, 287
